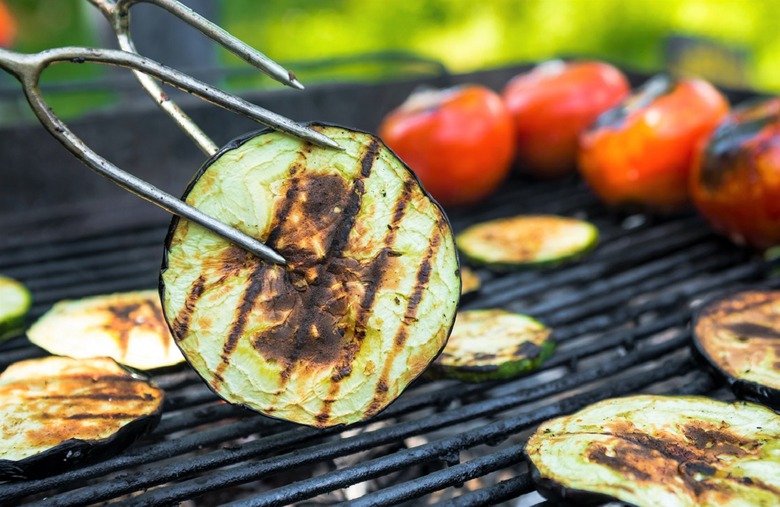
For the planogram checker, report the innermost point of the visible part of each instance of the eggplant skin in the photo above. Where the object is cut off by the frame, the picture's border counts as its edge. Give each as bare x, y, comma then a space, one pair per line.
58, 413
364, 304
737, 335
648, 450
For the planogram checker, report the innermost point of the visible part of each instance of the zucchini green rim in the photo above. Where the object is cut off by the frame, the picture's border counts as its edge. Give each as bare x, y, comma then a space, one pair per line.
526, 241
493, 344
15, 301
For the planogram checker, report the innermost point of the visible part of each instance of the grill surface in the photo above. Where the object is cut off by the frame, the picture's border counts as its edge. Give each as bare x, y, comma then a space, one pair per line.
620, 316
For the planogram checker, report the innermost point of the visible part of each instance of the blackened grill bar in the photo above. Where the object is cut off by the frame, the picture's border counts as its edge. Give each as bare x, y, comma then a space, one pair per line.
620, 317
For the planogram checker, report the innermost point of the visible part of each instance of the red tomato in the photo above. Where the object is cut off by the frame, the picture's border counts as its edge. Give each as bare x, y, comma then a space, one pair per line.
7, 26
735, 179
640, 153
458, 141
552, 104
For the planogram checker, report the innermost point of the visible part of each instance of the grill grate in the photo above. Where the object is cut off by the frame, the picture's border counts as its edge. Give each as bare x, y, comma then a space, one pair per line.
620, 317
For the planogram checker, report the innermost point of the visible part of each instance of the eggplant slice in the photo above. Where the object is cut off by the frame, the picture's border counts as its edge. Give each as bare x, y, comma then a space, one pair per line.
15, 301
738, 334
364, 304
470, 282
527, 241
128, 327
493, 344
59, 412
651, 450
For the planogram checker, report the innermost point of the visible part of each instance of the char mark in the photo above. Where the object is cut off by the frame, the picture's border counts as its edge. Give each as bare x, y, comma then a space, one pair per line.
181, 324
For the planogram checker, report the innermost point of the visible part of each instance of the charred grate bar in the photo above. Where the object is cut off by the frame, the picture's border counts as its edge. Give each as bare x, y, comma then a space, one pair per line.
620, 316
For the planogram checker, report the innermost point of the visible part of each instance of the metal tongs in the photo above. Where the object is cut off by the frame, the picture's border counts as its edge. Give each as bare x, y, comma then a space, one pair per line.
27, 68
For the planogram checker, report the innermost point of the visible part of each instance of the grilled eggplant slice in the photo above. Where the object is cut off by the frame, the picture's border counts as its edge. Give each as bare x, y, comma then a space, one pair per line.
738, 334
364, 304
15, 302
470, 282
527, 241
493, 344
652, 450
128, 327
59, 412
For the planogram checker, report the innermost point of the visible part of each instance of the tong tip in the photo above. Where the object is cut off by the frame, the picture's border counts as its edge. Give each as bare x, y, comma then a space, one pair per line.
293, 81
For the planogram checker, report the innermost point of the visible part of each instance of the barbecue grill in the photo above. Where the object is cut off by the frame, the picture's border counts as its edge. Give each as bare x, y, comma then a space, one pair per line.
620, 316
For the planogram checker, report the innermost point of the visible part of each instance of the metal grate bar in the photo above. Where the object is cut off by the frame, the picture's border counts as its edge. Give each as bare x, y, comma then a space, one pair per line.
492, 433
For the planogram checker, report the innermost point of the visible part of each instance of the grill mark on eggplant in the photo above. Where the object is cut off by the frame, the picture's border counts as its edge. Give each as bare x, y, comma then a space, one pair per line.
181, 324
239, 323
126, 317
410, 314
92, 415
375, 270
749, 330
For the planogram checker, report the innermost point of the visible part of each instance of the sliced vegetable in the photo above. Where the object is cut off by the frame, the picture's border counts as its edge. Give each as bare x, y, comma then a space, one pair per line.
527, 240
364, 304
15, 301
739, 336
128, 327
59, 412
470, 282
660, 450
493, 344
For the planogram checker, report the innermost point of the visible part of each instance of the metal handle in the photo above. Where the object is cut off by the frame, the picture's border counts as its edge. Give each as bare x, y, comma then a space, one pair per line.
27, 69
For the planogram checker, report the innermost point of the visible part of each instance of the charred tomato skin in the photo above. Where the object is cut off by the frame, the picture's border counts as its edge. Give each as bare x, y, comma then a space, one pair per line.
459, 141
639, 154
735, 178
552, 104
742, 388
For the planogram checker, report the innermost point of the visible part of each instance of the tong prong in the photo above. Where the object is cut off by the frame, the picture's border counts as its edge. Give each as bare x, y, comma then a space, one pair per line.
27, 68
218, 35
118, 15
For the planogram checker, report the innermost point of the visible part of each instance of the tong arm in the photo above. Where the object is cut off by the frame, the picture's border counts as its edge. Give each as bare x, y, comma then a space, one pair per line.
27, 69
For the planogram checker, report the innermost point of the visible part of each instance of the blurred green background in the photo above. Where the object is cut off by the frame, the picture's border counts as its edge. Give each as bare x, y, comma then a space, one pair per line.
736, 42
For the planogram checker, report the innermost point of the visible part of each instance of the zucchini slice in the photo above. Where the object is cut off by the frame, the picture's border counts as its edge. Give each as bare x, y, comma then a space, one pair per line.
364, 304
738, 334
493, 344
651, 450
128, 327
526, 241
15, 301
58, 412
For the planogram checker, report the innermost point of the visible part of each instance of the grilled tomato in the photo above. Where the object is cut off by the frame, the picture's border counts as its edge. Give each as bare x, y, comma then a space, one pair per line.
59, 412
459, 141
649, 450
367, 297
735, 180
552, 104
639, 153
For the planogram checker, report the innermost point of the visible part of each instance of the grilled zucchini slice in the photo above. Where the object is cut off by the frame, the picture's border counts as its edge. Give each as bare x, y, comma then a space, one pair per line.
128, 327
15, 302
738, 334
364, 304
493, 344
527, 241
59, 412
651, 450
